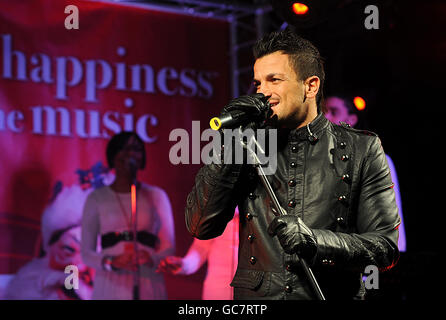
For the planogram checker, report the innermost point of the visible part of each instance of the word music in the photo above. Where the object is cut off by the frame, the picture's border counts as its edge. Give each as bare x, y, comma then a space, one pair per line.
50, 121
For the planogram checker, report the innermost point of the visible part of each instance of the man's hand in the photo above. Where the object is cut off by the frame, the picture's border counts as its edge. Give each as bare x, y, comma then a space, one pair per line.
255, 105
294, 235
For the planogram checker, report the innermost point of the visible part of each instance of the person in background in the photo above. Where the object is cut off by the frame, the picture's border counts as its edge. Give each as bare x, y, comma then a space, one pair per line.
340, 109
107, 215
44, 278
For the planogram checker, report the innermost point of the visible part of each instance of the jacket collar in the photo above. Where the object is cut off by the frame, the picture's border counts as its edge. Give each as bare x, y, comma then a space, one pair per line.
312, 129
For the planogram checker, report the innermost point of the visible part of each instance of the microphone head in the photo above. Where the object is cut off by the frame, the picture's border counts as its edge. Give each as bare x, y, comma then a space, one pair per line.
133, 168
132, 164
234, 116
215, 123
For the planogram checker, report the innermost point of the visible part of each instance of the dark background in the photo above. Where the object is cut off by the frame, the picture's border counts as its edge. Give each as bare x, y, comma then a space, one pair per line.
399, 70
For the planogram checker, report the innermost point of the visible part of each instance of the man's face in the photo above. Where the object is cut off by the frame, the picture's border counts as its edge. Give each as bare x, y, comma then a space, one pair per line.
274, 76
337, 111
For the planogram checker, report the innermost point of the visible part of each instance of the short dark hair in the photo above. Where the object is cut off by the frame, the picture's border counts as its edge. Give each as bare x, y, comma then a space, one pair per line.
117, 143
304, 56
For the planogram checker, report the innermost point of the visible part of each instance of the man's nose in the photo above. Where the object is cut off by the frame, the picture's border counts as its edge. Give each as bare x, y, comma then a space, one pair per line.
263, 88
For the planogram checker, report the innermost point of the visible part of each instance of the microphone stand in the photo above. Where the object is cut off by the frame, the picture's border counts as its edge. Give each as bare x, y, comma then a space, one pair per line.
136, 292
279, 210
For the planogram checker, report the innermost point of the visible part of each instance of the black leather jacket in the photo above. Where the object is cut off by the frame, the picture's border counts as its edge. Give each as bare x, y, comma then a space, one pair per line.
339, 185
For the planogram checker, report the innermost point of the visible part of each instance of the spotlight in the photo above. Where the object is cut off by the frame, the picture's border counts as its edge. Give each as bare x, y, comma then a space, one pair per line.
303, 14
359, 103
300, 8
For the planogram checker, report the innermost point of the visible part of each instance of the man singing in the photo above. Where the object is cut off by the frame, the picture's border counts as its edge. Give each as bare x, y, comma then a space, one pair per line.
333, 182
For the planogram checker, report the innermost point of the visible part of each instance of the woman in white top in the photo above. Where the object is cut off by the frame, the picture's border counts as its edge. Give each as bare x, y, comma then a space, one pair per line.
107, 237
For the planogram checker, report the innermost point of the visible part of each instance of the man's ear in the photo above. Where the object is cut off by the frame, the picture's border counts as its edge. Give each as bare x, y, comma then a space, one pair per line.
312, 85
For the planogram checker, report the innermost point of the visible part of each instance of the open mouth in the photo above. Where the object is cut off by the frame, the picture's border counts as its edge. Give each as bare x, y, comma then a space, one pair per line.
273, 103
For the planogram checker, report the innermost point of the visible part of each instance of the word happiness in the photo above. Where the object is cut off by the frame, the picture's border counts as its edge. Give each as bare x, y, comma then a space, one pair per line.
64, 73
99, 74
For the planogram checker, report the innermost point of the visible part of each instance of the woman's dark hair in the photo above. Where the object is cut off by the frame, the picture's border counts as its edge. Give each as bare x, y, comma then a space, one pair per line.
304, 56
118, 142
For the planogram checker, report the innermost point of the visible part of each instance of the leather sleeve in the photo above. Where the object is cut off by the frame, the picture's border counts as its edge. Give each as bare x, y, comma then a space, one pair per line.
212, 201
377, 221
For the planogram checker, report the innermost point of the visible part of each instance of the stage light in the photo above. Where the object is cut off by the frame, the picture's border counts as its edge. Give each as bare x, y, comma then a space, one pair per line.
359, 103
302, 14
300, 8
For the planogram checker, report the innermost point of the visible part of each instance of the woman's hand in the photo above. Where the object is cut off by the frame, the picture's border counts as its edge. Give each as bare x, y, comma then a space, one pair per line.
171, 265
124, 261
127, 260
144, 258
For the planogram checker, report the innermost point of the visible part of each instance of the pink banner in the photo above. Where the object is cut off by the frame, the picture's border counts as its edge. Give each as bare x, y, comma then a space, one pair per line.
65, 92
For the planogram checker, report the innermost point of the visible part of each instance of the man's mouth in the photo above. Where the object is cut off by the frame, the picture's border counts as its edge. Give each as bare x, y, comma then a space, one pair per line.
273, 103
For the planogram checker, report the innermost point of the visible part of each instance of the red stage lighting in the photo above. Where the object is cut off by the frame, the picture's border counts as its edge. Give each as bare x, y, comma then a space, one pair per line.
300, 8
359, 103
303, 14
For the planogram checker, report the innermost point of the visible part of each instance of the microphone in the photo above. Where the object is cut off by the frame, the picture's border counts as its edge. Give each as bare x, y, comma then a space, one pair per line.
235, 118
133, 167
230, 119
